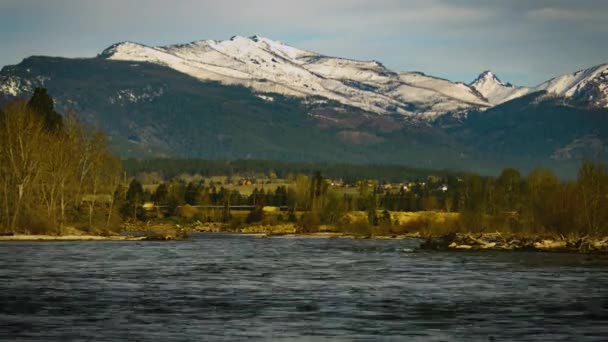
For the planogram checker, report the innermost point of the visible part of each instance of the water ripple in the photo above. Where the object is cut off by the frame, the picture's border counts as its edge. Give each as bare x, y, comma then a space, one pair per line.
227, 287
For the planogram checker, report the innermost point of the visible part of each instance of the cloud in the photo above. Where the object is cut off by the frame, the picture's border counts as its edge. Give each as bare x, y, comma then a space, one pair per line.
524, 41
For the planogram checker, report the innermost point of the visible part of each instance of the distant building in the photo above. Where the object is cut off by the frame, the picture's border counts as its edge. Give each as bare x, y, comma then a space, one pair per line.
244, 182
149, 206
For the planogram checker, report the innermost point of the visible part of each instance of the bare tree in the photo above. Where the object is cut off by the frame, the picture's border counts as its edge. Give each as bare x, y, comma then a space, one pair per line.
22, 138
48, 170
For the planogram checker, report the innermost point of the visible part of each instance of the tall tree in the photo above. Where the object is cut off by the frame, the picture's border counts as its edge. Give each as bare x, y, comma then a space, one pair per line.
134, 198
21, 138
42, 104
47, 167
593, 187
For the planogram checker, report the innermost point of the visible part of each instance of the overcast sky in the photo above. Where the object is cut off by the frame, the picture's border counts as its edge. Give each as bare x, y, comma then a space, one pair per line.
522, 41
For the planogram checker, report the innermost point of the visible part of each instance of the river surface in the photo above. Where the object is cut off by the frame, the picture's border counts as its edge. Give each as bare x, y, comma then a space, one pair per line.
235, 287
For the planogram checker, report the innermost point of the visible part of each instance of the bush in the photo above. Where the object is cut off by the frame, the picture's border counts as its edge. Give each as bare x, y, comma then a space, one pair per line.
427, 224
472, 222
419, 224
358, 228
165, 232
187, 212
235, 224
383, 229
292, 218
270, 220
256, 215
309, 223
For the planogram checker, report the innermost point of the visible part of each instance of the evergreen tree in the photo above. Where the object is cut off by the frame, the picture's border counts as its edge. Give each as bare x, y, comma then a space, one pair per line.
161, 195
42, 104
134, 199
191, 194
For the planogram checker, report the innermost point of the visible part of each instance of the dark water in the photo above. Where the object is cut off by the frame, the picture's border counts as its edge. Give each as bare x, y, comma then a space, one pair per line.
222, 287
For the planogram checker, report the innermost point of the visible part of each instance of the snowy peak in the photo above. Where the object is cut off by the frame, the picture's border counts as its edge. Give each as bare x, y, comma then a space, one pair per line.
494, 90
487, 77
270, 66
455, 90
120, 48
569, 84
589, 85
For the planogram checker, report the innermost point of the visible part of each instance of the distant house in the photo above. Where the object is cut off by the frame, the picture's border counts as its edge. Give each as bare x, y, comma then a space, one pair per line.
337, 183
149, 206
244, 182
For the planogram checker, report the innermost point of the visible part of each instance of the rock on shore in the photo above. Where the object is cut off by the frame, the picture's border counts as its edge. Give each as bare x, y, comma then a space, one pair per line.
497, 241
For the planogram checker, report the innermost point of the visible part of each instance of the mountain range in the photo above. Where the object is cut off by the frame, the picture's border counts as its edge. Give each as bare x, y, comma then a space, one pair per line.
253, 97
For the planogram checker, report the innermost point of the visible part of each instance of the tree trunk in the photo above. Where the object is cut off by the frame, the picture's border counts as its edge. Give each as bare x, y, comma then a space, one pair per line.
110, 212
13, 225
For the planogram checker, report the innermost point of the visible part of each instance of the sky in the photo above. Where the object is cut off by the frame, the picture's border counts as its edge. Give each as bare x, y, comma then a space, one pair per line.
522, 41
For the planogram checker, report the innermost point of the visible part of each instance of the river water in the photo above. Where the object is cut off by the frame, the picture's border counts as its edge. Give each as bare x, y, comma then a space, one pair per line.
235, 287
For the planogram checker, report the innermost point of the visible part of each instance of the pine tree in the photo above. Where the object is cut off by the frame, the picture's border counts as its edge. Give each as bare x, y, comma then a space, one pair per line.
191, 194
134, 199
161, 194
42, 104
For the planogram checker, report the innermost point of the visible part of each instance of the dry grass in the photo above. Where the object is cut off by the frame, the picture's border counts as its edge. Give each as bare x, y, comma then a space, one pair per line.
278, 229
402, 223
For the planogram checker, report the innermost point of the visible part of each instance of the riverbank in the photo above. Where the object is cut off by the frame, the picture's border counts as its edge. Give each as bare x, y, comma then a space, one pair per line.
497, 241
130, 232
446, 242
27, 237
435, 241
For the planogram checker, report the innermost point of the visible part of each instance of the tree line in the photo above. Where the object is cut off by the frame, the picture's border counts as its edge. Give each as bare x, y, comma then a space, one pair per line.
54, 171
538, 203
171, 168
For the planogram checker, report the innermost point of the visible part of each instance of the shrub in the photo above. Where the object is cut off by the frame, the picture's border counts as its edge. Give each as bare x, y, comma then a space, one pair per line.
165, 232
471, 221
358, 228
256, 215
187, 212
235, 223
309, 222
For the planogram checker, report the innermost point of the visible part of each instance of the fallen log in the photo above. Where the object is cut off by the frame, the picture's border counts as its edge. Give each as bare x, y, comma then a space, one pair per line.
550, 244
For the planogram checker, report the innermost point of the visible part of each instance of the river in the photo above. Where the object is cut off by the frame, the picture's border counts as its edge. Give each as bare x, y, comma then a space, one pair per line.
237, 287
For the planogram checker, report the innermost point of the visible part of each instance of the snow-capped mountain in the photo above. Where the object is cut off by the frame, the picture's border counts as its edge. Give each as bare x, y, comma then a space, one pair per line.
494, 90
589, 85
268, 66
298, 105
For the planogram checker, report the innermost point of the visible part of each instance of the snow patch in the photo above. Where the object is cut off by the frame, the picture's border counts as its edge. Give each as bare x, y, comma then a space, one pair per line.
266, 98
17, 86
146, 94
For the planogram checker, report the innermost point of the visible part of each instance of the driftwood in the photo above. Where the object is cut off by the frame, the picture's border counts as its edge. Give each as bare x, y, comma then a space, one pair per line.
496, 241
550, 244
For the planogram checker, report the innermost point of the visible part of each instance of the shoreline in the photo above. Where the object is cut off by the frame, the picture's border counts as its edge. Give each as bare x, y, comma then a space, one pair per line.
26, 237
461, 242
498, 242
